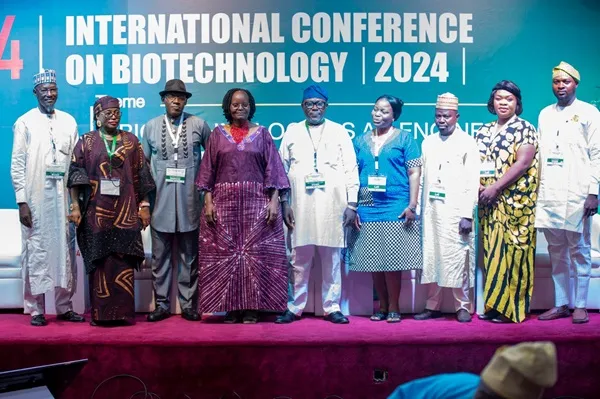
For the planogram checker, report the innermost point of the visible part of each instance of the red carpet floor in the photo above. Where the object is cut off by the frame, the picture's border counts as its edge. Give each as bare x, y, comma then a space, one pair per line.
308, 359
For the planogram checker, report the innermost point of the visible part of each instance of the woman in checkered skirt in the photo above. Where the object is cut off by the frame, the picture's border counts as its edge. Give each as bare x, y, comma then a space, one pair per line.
386, 238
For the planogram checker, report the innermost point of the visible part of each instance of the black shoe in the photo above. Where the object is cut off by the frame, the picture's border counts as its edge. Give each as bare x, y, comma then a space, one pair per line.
71, 316
250, 317
428, 314
489, 315
337, 318
190, 315
463, 316
158, 314
286, 318
38, 321
500, 319
233, 317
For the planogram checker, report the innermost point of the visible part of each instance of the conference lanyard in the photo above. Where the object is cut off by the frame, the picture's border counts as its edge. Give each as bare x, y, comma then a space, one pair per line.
377, 148
315, 148
52, 139
175, 137
110, 151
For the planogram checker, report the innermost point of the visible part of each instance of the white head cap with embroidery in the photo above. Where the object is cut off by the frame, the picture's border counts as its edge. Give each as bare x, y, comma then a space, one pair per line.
447, 101
44, 76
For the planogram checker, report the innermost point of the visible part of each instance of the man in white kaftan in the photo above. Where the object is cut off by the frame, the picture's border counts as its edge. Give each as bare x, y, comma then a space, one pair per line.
321, 164
449, 198
44, 139
568, 195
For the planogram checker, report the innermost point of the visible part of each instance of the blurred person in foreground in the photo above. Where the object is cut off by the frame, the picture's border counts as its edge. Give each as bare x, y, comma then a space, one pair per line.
522, 371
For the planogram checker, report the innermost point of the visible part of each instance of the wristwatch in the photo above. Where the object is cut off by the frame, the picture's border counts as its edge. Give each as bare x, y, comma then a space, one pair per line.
412, 209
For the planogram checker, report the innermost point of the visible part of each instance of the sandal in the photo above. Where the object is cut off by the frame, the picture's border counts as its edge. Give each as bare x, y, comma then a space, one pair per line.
379, 316
393, 317
250, 317
233, 317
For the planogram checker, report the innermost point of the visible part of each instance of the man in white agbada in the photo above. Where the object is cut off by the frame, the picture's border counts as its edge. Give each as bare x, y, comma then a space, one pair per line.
449, 198
321, 164
44, 138
568, 195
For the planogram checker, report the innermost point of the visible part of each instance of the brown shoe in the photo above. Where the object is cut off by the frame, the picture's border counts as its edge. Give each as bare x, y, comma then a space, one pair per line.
555, 313
580, 316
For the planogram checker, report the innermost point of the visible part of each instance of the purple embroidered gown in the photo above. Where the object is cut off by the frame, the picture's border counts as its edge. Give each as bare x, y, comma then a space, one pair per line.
109, 233
242, 260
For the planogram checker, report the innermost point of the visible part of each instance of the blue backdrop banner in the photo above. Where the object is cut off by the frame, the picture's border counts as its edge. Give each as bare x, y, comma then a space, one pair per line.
358, 50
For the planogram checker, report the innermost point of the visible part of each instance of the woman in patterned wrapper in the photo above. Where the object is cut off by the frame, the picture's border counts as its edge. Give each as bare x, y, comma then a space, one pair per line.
242, 258
110, 181
387, 235
508, 148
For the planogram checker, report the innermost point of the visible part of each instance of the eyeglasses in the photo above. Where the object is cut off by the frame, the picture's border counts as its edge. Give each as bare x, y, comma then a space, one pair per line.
109, 114
318, 104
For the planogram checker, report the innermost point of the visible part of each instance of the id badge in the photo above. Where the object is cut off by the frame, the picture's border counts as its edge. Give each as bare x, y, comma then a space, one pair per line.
437, 192
377, 183
55, 171
175, 175
110, 187
314, 180
556, 158
555, 161
488, 169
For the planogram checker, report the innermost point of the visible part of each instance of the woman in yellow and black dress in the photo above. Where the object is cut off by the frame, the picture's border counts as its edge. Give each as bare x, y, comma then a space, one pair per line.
508, 194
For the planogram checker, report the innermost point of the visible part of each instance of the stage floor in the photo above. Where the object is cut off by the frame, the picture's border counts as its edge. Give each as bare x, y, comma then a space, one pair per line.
310, 358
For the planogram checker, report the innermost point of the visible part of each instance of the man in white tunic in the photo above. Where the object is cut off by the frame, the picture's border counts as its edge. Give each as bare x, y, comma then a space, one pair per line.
321, 164
568, 195
44, 138
449, 198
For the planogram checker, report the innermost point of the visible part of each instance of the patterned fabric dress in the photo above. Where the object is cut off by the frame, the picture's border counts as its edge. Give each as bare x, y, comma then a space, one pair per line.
109, 233
384, 242
242, 259
507, 226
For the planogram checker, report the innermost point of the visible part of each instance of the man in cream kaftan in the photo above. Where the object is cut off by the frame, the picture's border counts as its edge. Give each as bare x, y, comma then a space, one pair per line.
44, 138
568, 196
449, 197
321, 164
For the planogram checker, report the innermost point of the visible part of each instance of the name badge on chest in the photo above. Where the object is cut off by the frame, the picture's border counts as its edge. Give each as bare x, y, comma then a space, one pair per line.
55, 171
314, 180
437, 192
377, 183
556, 158
110, 187
488, 169
175, 175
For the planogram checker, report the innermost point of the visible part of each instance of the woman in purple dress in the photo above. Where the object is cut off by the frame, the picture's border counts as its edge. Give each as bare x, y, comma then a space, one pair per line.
242, 258
110, 181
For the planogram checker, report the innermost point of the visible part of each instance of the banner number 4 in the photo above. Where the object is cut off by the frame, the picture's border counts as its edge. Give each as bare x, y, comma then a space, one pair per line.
14, 63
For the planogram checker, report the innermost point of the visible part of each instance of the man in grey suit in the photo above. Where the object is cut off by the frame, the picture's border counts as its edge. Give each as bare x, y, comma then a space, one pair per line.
172, 144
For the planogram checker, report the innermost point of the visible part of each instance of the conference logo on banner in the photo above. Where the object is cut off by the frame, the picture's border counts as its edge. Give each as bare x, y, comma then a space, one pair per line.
358, 52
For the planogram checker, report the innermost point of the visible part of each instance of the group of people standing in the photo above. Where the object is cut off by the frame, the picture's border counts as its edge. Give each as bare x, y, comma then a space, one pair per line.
392, 204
